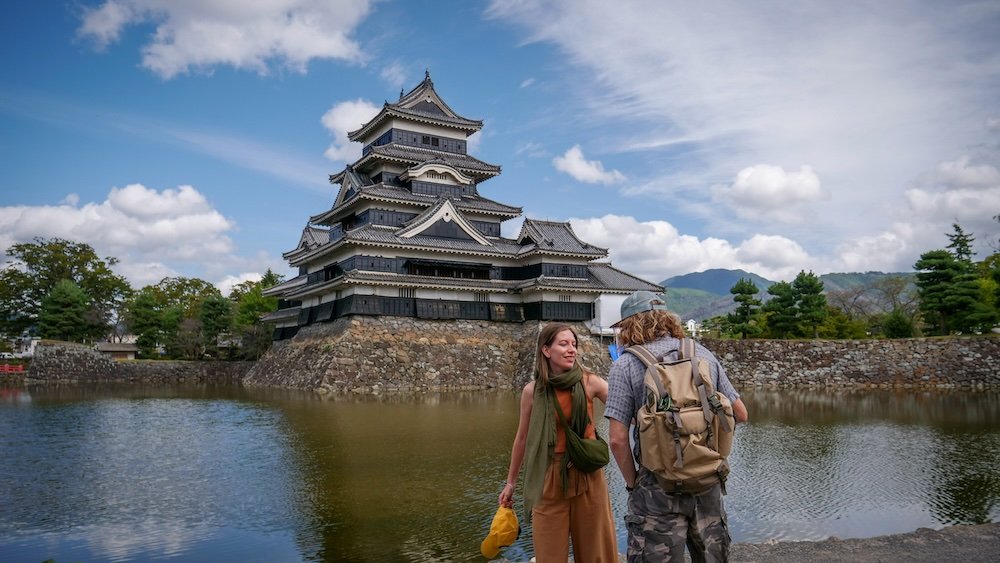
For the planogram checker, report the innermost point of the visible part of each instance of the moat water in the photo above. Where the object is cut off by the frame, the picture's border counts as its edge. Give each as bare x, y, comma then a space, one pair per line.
221, 473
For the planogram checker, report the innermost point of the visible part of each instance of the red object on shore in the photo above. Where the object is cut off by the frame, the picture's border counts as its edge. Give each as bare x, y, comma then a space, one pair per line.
9, 368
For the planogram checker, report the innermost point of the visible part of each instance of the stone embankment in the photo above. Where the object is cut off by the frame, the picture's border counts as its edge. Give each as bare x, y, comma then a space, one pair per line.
390, 354
971, 362
378, 354
65, 362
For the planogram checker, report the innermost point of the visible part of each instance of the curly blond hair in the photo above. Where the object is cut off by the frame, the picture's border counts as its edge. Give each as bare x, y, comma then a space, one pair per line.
648, 326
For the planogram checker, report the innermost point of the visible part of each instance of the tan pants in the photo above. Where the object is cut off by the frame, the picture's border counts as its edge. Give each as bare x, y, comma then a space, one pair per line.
583, 513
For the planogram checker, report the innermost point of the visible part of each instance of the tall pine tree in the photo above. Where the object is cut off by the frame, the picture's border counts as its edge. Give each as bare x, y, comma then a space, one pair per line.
782, 318
741, 320
810, 301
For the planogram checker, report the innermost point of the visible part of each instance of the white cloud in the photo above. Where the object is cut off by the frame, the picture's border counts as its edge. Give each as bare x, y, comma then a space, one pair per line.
765, 192
244, 35
227, 283
868, 97
473, 142
886, 251
583, 170
655, 250
342, 119
394, 74
144, 228
532, 149
252, 155
527, 82
960, 174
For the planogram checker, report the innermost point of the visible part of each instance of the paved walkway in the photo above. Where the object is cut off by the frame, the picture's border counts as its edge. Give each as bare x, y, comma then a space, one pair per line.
964, 544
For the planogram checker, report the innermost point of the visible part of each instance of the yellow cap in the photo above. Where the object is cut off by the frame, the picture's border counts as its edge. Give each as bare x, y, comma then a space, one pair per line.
503, 532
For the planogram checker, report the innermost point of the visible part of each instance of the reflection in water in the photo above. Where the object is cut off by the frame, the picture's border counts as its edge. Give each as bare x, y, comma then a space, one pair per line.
126, 473
820, 463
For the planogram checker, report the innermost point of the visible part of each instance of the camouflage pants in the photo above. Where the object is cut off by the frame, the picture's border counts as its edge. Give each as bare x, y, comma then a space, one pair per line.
659, 524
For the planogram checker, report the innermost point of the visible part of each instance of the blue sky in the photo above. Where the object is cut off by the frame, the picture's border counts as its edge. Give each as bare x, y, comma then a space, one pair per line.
196, 138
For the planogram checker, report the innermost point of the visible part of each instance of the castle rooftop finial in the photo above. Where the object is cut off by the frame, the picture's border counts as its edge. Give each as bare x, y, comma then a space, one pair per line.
427, 74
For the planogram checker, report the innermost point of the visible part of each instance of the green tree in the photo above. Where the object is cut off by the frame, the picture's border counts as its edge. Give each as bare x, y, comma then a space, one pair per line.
188, 341
251, 304
216, 321
961, 244
782, 315
810, 301
158, 313
188, 294
63, 314
896, 292
970, 297
954, 291
838, 324
33, 269
741, 321
937, 273
145, 318
897, 324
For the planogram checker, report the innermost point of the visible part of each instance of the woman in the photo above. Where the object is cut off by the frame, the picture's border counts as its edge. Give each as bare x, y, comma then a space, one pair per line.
560, 500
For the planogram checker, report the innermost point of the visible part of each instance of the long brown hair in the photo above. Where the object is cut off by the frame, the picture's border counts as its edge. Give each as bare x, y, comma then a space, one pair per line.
648, 326
545, 338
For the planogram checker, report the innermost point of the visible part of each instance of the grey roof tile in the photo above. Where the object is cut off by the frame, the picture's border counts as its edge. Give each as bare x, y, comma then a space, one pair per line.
406, 153
552, 236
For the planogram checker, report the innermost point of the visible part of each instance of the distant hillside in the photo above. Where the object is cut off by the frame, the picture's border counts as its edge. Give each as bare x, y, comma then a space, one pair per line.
703, 295
717, 281
840, 282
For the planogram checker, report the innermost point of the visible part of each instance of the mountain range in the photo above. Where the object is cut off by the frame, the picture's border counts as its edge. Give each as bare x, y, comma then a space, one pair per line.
704, 295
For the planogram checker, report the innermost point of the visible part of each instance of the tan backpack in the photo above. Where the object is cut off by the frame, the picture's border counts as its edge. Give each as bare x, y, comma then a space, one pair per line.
685, 426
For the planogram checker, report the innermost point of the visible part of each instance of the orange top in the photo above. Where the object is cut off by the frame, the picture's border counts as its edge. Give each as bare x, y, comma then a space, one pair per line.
565, 398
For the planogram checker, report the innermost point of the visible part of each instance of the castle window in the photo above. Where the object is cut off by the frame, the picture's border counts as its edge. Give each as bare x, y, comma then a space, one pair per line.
426, 139
482, 297
565, 298
434, 142
407, 292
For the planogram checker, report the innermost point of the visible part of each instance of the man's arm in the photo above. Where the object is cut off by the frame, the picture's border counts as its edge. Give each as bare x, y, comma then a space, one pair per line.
618, 436
740, 411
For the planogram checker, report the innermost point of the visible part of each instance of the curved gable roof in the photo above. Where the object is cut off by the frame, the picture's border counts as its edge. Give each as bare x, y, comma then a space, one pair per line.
552, 236
423, 104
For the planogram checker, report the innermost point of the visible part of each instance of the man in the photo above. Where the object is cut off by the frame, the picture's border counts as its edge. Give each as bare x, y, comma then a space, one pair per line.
660, 523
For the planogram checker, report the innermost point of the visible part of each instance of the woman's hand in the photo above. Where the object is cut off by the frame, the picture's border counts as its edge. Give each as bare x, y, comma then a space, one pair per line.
507, 495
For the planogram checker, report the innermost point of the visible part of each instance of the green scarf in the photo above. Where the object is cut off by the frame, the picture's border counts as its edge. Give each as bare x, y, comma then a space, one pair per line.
541, 442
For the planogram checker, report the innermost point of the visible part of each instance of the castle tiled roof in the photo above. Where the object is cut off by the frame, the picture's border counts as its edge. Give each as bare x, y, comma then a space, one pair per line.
421, 104
397, 194
374, 235
285, 286
410, 155
554, 237
310, 239
601, 278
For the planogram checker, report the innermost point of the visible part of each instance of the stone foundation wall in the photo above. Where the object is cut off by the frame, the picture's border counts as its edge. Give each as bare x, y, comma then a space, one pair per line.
370, 354
66, 362
375, 354
912, 362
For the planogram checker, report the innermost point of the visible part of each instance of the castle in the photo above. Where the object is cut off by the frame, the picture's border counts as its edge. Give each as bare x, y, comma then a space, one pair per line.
411, 235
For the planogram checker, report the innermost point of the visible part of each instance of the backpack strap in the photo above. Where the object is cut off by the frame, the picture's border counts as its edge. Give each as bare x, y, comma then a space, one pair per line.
652, 374
710, 405
699, 382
